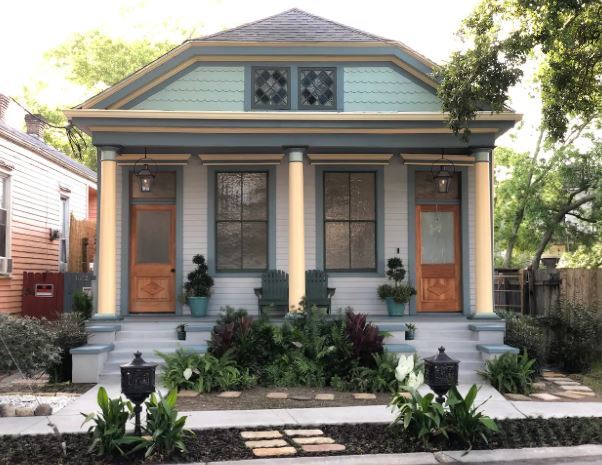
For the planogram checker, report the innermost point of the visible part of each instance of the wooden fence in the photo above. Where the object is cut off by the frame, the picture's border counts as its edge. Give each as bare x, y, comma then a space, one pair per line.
537, 292
82, 244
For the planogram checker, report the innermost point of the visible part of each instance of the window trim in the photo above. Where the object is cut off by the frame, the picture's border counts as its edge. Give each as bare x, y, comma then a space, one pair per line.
379, 221
303, 107
65, 219
7, 196
212, 218
258, 106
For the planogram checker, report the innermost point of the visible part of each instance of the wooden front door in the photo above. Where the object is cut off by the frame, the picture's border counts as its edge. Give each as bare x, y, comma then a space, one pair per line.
153, 259
438, 258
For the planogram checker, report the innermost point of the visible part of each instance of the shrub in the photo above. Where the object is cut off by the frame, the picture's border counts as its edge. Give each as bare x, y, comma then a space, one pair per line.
510, 373
378, 379
108, 431
365, 338
527, 334
199, 282
577, 330
420, 415
164, 432
31, 345
180, 370
68, 331
82, 304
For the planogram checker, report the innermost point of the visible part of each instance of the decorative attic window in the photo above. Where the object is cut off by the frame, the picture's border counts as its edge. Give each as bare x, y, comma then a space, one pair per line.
271, 88
317, 88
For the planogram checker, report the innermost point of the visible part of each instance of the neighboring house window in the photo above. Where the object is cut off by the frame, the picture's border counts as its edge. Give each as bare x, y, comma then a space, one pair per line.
64, 234
4, 196
270, 88
350, 221
241, 221
317, 88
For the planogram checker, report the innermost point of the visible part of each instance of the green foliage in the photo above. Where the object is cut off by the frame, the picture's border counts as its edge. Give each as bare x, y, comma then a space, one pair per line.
31, 345
82, 305
420, 415
381, 378
510, 373
564, 37
108, 431
365, 338
179, 369
67, 332
464, 419
583, 257
401, 293
164, 432
528, 335
199, 282
577, 331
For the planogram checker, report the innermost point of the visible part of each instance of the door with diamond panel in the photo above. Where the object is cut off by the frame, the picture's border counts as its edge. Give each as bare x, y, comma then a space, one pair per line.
152, 259
438, 258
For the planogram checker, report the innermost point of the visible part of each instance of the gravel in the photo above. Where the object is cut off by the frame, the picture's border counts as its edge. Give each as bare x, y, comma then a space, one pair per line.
56, 402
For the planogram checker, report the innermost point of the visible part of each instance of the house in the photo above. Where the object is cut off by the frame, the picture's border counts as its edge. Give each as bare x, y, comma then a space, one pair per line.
291, 143
41, 189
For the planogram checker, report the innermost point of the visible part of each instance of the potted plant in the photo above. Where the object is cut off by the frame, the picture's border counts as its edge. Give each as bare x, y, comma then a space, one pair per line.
198, 287
397, 295
410, 331
181, 332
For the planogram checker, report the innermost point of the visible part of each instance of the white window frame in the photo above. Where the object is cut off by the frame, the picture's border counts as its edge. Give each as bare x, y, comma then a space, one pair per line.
64, 224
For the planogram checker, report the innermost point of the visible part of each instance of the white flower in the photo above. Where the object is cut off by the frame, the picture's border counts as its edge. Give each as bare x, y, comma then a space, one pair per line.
415, 380
187, 373
404, 367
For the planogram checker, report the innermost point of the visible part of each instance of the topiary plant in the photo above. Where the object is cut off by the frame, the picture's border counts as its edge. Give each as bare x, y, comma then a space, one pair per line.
199, 282
400, 293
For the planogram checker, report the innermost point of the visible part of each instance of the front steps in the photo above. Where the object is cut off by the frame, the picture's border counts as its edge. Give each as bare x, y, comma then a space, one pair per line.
469, 342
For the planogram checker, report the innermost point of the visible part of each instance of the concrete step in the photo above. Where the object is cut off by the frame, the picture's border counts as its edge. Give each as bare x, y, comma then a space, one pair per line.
463, 356
152, 345
146, 334
450, 346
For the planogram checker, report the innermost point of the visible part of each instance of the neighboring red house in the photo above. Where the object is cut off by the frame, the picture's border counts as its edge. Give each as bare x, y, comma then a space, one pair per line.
41, 189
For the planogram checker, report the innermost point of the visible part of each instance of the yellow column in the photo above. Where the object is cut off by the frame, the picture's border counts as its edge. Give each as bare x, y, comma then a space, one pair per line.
106, 268
296, 229
483, 273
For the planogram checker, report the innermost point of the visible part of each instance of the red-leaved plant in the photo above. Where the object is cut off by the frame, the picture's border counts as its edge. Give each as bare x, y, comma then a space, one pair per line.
364, 337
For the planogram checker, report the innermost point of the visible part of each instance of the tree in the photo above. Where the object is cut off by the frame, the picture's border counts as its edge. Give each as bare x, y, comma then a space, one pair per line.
565, 36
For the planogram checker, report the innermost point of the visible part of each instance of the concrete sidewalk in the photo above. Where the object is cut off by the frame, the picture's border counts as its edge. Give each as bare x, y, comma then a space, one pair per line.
69, 419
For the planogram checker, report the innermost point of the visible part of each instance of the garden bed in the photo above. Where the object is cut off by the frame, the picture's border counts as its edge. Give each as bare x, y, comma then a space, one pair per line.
227, 444
256, 398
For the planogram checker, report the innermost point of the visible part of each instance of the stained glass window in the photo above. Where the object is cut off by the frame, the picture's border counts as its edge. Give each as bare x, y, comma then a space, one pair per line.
317, 88
271, 88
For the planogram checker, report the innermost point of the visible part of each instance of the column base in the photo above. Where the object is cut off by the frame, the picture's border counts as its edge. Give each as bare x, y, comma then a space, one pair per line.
106, 317
484, 316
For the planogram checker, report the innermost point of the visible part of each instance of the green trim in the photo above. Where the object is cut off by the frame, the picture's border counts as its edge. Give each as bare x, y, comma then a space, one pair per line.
211, 224
481, 155
464, 220
380, 219
296, 154
125, 234
108, 153
484, 316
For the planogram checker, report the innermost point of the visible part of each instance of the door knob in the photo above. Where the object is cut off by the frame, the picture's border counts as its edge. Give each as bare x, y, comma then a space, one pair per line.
173, 270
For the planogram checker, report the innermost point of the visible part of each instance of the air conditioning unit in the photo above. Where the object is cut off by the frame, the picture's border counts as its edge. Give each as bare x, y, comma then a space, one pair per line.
6, 265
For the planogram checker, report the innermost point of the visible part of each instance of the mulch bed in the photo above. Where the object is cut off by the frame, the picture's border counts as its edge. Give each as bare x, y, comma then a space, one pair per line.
255, 398
226, 444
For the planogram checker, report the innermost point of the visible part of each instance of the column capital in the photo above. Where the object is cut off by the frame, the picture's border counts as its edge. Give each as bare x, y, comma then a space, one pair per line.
295, 154
482, 154
108, 152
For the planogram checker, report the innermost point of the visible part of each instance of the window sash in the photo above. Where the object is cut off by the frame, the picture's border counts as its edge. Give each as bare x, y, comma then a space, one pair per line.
243, 222
4, 215
301, 88
255, 74
349, 221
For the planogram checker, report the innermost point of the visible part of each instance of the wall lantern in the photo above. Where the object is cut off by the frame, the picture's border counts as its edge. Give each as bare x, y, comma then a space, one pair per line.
145, 173
444, 176
441, 373
137, 383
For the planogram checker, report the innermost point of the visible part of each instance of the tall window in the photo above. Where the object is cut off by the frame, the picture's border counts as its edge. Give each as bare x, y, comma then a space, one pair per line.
350, 221
64, 231
4, 216
242, 221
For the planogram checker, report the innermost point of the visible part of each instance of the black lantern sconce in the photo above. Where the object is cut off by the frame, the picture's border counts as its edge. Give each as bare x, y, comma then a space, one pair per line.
145, 172
137, 383
441, 373
444, 176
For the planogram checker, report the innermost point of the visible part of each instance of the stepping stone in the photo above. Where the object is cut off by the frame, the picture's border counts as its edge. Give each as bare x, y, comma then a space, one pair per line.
303, 432
576, 388
517, 397
324, 397
364, 396
566, 382
318, 440
573, 395
266, 443
43, 410
260, 434
301, 397
539, 386
23, 412
274, 451
230, 394
188, 393
582, 393
323, 448
544, 396
551, 373
277, 395
551, 379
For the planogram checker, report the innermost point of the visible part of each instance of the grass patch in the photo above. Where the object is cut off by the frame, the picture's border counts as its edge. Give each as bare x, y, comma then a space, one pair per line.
593, 378
226, 444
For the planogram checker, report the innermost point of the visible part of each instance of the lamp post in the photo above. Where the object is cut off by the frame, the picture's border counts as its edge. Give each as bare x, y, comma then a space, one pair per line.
137, 383
441, 373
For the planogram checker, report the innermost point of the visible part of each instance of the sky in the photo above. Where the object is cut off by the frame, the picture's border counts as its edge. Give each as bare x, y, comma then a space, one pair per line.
36, 26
